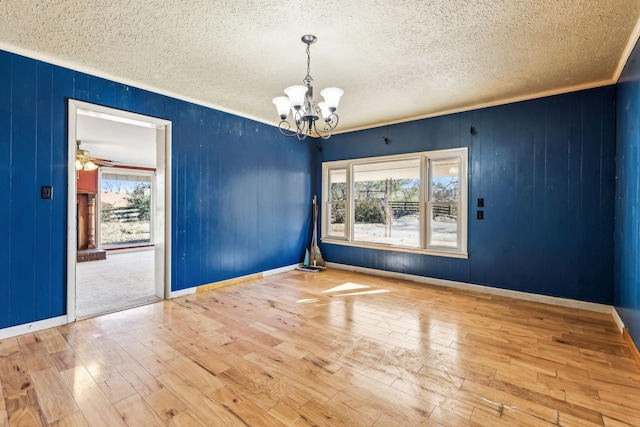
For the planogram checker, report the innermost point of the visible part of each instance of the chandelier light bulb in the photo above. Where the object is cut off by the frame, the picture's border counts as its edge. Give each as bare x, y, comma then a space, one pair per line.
90, 166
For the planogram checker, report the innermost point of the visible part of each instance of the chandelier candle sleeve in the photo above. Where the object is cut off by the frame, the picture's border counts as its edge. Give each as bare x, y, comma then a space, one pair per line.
306, 112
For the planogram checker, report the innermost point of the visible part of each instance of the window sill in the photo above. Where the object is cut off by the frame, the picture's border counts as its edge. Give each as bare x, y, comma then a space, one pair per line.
331, 241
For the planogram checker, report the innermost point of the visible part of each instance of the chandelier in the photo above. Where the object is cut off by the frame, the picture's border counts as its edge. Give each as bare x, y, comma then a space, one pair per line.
306, 112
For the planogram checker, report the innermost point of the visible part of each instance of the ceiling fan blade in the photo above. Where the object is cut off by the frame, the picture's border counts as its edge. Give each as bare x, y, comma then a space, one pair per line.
105, 162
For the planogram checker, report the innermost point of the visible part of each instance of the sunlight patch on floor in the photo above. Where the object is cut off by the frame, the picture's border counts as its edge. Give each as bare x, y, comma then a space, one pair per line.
348, 286
307, 301
375, 291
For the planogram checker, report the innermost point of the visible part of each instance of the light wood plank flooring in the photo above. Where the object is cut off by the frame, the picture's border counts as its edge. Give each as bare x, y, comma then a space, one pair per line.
333, 348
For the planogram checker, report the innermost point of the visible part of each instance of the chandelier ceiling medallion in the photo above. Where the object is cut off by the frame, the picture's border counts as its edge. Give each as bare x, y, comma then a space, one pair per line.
306, 112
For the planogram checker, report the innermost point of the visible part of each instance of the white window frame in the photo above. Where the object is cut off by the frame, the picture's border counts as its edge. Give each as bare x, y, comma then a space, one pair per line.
425, 187
328, 203
152, 210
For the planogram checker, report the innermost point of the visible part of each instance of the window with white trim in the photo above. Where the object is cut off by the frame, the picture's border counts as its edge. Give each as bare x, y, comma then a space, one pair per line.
412, 202
126, 208
336, 204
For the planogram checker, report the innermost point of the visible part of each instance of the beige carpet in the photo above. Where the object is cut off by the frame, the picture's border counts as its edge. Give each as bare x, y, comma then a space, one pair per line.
123, 280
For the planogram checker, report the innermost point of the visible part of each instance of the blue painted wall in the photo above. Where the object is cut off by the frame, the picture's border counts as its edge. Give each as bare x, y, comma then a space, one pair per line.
241, 192
627, 208
546, 171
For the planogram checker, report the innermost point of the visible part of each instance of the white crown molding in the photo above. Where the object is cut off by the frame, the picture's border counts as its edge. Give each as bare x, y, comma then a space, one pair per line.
497, 103
139, 85
94, 72
631, 44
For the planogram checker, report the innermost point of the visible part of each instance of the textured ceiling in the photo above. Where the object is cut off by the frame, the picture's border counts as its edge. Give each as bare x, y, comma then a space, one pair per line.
394, 59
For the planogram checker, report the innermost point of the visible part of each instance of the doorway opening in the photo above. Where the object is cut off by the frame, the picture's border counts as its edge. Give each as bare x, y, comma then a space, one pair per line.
119, 209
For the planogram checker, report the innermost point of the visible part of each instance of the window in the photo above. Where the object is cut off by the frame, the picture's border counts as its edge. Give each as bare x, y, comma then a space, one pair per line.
414, 202
126, 208
386, 202
443, 202
337, 202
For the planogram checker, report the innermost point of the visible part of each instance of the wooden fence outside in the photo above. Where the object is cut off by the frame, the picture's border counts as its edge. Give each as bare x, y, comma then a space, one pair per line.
121, 215
411, 207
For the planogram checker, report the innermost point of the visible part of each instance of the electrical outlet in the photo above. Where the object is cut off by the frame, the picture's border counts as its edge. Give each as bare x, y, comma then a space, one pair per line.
480, 214
480, 202
46, 192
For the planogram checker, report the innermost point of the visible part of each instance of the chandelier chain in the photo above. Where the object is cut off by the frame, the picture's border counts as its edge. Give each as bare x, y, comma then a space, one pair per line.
308, 60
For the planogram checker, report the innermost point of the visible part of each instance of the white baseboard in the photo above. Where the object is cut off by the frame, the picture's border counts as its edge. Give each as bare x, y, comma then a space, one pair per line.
182, 292
563, 302
617, 319
267, 273
27, 328
279, 270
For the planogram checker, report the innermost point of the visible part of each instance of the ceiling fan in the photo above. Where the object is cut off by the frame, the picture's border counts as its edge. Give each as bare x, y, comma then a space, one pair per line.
85, 162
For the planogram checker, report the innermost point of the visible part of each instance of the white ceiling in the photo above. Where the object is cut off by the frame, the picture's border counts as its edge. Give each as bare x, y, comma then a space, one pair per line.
126, 144
395, 60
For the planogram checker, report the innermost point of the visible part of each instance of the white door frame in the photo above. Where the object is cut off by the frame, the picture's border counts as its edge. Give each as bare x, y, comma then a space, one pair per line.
162, 227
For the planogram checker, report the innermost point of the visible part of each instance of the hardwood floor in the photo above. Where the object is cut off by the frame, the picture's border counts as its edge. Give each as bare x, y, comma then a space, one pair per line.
334, 348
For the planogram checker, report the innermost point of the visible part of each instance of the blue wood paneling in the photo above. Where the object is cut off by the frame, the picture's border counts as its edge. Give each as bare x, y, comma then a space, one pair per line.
226, 191
240, 194
210, 193
23, 192
6, 101
627, 207
63, 84
102, 91
149, 103
532, 162
525, 175
558, 240
81, 83
43, 175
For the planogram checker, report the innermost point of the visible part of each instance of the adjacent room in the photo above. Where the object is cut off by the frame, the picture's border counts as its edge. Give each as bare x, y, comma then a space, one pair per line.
115, 216
350, 213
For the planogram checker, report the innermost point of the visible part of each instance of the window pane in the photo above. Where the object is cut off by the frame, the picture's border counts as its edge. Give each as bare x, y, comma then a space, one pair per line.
445, 180
125, 202
338, 185
336, 214
386, 202
444, 225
